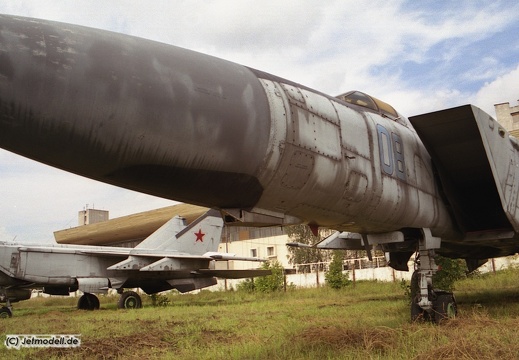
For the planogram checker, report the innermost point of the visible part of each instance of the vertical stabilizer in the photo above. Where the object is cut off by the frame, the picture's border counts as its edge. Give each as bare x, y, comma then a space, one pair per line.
201, 236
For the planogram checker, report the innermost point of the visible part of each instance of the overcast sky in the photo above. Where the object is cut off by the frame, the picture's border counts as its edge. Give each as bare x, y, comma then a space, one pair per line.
418, 56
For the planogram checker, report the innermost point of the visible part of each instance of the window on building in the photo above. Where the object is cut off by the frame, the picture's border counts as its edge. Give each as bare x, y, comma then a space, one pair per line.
270, 251
254, 252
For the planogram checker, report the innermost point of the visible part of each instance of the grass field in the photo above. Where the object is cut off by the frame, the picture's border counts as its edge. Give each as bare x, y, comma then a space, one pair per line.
370, 321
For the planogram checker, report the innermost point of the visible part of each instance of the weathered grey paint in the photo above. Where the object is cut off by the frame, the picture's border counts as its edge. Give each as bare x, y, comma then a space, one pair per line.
131, 112
187, 126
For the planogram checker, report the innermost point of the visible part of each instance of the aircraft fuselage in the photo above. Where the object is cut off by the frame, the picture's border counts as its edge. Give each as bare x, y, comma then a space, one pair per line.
187, 126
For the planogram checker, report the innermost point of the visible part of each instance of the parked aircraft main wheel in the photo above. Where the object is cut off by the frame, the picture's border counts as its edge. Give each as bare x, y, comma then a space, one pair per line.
417, 313
5, 312
88, 302
129, 300
444, 307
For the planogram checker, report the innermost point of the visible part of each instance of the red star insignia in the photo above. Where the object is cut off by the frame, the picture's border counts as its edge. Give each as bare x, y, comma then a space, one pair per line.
199, 236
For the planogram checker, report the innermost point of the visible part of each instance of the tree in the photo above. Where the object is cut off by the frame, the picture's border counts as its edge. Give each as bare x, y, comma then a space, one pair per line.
334, 277
303, 234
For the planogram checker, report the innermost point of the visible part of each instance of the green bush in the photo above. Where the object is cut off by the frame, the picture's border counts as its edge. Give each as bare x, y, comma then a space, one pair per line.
449, 271
406, 287
272, 282
246, 285
159, 300
335, 278
265, 284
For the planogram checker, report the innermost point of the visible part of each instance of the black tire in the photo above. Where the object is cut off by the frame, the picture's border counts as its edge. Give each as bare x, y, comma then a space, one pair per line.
129, 300
88, 302
444, 307
5, 312
417, 313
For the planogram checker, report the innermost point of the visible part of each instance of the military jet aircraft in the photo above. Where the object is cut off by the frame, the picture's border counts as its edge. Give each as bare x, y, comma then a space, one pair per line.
175, 256
264, 150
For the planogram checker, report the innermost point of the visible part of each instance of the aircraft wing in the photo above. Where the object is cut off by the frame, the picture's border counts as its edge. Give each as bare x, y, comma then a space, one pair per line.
228, 256
87, 250
336, 241
110, 251
168, 262
106, 251
235, 274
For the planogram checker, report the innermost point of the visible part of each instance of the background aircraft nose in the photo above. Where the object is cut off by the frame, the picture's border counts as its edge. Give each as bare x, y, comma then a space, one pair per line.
131, 112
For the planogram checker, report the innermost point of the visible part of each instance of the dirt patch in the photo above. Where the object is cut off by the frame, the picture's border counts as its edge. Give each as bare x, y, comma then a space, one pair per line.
459, 347
127, 347
209, 336
152, 339
470, 338
173, 323
337, 338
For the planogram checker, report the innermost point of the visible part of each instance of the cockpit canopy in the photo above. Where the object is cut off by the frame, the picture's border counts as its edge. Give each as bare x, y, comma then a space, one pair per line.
364, 100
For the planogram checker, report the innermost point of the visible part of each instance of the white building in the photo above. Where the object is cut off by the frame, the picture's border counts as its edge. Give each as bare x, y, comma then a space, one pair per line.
508, 116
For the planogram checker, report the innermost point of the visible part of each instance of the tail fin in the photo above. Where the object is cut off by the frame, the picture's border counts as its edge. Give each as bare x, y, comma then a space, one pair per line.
201, 236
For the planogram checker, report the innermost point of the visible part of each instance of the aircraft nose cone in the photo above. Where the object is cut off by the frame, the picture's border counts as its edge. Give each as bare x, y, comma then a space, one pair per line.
132, 112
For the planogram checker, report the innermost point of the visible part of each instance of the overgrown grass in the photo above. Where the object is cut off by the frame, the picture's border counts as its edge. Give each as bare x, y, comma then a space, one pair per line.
370, 321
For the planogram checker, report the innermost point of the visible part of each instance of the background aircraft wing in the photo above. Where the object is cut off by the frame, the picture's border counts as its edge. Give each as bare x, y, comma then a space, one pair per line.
235, 274
227, 256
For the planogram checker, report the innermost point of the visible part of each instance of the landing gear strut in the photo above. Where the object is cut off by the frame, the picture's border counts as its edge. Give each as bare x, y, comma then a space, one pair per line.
427, 303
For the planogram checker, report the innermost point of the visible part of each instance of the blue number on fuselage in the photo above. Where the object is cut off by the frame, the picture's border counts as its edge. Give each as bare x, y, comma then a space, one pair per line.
391, 151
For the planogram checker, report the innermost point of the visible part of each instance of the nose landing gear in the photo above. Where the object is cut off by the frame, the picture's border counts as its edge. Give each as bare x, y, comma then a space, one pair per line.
428, 304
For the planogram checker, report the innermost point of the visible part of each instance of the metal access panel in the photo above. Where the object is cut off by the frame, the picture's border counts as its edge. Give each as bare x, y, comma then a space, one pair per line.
93, 285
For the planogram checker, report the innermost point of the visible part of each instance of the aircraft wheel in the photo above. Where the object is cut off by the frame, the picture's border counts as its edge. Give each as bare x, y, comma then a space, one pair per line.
129, 300
417, 313
444, 307
88, 302
5, 312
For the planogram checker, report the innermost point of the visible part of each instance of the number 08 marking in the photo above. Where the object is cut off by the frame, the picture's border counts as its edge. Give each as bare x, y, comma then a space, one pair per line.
391, 151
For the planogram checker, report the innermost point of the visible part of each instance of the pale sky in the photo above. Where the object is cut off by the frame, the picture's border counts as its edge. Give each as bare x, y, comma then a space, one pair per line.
418, 56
